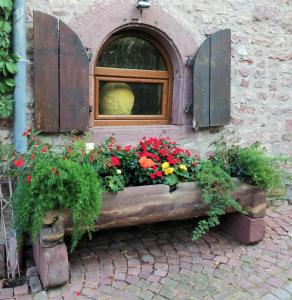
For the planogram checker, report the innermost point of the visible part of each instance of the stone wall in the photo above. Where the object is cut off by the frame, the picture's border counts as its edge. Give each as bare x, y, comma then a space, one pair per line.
261, 61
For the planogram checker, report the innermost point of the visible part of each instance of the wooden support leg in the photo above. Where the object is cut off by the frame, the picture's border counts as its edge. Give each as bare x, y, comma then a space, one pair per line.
52, 264
243, 228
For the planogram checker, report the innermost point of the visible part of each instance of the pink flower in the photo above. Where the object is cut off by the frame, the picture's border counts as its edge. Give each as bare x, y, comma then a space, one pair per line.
44, 149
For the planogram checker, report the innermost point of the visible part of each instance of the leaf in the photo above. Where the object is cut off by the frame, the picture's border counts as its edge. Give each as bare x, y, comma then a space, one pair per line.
11, 67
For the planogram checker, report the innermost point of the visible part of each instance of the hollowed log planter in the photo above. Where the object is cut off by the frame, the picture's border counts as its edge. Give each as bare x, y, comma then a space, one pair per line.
148, 204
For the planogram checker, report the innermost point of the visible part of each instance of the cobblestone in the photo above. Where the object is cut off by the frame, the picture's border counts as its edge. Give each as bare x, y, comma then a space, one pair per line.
160, 261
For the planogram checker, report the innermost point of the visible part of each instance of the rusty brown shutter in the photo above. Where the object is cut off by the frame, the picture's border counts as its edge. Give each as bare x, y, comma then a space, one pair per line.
46, 73
61, 77
211, 86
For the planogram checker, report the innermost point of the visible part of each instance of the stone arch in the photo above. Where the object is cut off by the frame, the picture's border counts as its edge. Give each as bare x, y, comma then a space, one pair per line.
101, 21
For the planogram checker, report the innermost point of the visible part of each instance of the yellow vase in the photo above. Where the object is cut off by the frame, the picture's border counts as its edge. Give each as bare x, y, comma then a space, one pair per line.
116, 99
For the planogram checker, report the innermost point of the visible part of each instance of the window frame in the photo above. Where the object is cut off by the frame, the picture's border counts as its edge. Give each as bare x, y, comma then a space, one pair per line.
138, 76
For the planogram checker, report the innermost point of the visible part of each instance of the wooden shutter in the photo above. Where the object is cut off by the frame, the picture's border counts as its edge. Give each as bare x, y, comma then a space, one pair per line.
211, 86
61, 77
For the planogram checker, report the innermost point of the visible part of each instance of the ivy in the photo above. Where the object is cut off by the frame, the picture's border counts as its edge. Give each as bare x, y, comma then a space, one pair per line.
8, 59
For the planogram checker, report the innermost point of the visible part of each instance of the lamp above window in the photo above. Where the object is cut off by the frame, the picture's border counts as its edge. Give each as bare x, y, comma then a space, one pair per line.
143, 4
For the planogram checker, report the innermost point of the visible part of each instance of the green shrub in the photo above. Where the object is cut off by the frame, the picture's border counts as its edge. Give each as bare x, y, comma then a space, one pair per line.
216, 186
51, 179
250, 164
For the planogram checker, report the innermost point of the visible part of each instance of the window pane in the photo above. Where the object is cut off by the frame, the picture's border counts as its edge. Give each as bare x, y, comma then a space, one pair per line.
130, 52
128, 98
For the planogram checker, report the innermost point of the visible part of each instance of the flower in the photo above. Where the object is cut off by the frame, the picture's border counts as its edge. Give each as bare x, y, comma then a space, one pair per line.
128, 148
115, 161
165, 165
26, 132
54, 170
28, 179
89, 147
158, 174
119, 172
32, 156
168, 171
183, 167
18, 162
146, 162
152, 176
91, 158
78, 293
44, 149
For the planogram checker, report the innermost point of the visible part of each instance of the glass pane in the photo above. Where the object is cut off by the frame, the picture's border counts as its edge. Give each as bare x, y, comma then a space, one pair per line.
128, 98
130, 52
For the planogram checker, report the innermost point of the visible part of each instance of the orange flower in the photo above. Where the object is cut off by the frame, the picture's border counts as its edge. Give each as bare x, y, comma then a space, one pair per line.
146, 162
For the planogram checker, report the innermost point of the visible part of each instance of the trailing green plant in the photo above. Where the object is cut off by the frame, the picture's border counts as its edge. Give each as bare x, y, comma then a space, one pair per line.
250, 164
8, 59
56, 178
216, 186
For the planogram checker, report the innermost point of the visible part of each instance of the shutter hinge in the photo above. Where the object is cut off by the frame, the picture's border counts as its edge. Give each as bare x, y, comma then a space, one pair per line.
90, 108
89, 53
190, 60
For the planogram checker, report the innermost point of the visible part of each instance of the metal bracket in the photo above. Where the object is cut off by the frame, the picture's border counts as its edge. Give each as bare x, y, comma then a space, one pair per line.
190, 60
189, 108
89, 53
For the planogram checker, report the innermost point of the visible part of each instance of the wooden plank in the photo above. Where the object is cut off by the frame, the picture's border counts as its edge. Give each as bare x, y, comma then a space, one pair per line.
101, 71
74, 81
46, 74
220, 61
201, 105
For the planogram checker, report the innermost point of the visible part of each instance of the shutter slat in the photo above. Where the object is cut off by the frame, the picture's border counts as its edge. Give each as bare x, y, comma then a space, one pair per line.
46, 74
201, 85
74, 82
220, 78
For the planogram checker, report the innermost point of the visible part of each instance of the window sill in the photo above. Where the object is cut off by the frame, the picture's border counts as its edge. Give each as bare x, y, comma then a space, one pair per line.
132, 134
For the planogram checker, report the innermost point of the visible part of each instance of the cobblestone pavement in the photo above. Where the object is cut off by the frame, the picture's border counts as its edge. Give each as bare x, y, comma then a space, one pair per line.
161, 262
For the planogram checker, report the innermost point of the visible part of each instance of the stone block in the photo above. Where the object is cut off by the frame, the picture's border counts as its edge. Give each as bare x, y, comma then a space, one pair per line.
2, 261
52, 264
50, 236
32, 271
6, 293
243, 228
35, 284
41, 296
21, 290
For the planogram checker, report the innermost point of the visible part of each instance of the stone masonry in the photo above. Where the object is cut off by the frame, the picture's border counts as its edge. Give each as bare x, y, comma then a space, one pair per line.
261, 61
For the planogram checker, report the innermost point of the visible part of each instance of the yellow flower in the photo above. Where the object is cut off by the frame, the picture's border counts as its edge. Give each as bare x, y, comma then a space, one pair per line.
183, 167
165, 165
168, 171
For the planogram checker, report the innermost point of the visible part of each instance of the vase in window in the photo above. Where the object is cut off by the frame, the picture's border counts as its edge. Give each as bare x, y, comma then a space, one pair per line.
116, 99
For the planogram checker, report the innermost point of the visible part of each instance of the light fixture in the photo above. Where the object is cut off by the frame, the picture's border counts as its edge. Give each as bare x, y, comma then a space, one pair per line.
143, 4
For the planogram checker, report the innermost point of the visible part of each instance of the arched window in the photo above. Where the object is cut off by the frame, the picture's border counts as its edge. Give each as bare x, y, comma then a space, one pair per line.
133, 82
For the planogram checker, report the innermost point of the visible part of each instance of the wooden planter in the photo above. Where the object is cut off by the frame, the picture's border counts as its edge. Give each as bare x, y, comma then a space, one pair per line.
147, 204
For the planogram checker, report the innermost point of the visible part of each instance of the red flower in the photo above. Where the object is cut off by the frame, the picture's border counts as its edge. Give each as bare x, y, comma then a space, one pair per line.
158, 174
28, 179
44, 149
18, 162
26, 132
91, 158
128, 148
115, 161
152, 176
32, 156
78, 293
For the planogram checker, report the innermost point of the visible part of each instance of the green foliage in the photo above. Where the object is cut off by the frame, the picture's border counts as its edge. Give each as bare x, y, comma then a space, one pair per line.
8, 60
51, 178
250, 164
216, 186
